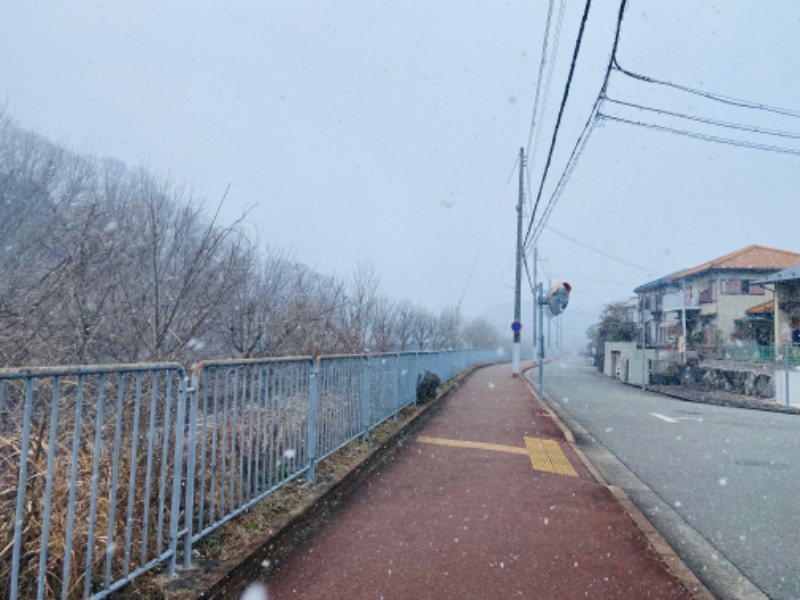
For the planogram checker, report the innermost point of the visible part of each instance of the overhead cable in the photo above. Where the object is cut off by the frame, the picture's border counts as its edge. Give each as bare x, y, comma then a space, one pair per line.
709, 95
542, 62
577, 151
488, 231
600, 252
564, 98
583, 137
702, 136
531, 151
728, 124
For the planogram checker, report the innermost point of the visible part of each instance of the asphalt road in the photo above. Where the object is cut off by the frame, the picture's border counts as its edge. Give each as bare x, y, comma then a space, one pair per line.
722, 485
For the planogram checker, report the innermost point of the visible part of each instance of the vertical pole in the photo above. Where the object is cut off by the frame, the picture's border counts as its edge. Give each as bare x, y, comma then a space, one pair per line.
366, 396
313, 407
644, 352
539, 301
177, 470
549, 319
193, 392
786, 372
535, 282
683, 320
518, 282
787, 346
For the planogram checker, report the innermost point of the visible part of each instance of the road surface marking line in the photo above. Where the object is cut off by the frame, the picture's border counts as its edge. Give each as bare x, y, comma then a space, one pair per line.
477, 445
664, 418
547, 455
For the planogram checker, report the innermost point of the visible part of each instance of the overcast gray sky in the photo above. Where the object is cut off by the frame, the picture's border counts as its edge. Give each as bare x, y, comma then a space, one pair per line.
386, 131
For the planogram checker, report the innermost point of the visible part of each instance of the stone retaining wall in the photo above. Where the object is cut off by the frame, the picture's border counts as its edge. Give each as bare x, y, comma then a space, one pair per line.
754, 382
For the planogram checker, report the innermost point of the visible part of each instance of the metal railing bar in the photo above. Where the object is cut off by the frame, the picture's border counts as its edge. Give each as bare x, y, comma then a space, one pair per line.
23, 479
48, 492
132, 474
148, 484
73, 488
112, 507
98, 437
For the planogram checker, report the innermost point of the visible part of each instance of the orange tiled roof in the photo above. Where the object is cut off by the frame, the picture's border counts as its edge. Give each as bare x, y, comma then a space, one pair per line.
749, 257
761, 309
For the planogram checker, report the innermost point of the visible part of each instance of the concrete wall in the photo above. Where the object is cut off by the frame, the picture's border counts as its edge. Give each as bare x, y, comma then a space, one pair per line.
623, 360
794, 387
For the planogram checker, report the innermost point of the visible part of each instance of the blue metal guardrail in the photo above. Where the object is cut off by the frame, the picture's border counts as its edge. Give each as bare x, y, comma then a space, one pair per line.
109, 469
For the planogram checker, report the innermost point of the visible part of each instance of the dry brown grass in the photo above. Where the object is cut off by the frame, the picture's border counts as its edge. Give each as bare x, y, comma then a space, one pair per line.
88, 534
266, 431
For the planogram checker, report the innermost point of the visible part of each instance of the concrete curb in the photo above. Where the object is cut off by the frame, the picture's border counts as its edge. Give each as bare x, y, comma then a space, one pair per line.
717, 401
666, 554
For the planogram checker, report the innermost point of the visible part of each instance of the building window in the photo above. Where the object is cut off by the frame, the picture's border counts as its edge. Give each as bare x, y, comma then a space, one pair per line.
706, 293
753, 289
732, 287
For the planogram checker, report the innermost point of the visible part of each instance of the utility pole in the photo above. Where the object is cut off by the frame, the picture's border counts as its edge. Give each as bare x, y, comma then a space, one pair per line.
535, 300
515, 367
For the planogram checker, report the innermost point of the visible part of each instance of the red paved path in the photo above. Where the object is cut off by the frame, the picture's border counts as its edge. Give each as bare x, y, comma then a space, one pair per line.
443, 522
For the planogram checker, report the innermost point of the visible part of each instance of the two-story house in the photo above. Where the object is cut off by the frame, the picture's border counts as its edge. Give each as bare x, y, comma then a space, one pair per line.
710, 301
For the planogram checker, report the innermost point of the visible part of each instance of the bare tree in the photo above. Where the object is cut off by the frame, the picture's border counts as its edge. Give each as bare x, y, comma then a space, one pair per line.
424, 329
383, 324
404, 324
478, 333
361, 295
447, 333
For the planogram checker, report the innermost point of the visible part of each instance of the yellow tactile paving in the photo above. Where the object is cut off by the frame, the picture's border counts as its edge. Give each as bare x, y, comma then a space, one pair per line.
545, 455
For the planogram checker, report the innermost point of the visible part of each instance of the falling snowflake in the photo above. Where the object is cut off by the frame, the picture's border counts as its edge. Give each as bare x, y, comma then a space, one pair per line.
255, 591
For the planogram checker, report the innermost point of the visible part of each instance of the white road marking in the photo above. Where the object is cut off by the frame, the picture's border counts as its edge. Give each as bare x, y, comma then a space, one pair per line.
663, 418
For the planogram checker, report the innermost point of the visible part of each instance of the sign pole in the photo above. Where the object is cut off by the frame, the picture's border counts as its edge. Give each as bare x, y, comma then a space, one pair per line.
540, 301
515, 367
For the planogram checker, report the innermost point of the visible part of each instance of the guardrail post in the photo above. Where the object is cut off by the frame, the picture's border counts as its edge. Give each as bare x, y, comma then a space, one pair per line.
177, 473
313, 408
366, 397
190, 472
397, 386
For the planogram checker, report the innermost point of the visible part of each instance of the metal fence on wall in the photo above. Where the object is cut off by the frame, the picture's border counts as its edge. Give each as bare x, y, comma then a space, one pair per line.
111, 471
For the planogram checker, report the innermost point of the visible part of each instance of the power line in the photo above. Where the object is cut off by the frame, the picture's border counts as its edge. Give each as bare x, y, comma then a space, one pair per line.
488, 231
601, 252
577, 151
728, 124
702, 136
587, 128
548, 80
709, 95
542, 63
564, 98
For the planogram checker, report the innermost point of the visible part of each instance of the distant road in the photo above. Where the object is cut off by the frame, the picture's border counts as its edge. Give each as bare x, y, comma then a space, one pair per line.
730, 475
